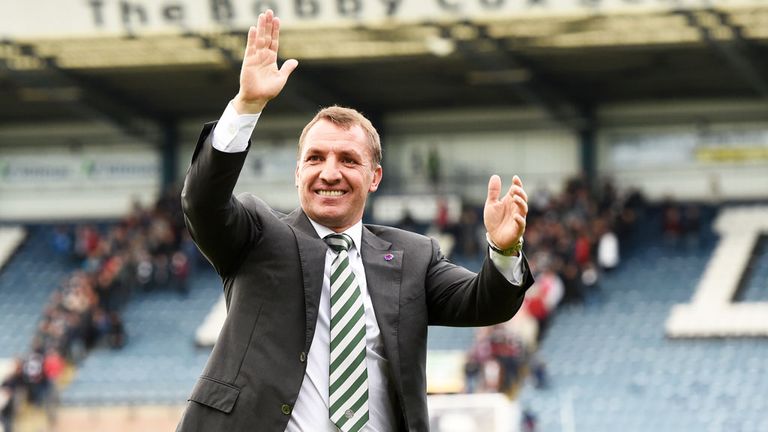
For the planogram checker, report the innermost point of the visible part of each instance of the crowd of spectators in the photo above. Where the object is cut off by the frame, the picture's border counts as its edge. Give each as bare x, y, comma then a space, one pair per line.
147, 250
571, 239
681, 224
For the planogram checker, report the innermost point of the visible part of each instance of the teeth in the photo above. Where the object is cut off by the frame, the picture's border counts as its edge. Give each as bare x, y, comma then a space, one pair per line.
330, 193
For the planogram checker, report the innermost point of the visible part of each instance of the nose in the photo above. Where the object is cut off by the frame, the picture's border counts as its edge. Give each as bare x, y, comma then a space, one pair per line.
330, 172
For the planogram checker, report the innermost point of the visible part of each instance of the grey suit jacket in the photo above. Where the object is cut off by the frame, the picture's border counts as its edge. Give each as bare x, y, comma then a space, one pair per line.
271, 266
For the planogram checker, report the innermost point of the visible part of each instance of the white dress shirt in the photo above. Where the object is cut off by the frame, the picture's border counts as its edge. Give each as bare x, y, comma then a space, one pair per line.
310, 413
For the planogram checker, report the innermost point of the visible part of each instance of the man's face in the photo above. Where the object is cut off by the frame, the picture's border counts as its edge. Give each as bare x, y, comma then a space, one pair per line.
334, 175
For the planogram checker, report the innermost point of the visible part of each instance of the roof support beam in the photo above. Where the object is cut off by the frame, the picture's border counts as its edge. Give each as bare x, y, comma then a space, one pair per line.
535, 90
734, 50
87, 97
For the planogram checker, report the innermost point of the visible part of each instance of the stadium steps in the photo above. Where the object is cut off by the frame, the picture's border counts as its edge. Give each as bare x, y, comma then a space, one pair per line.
160, 362
26, 283
612, 368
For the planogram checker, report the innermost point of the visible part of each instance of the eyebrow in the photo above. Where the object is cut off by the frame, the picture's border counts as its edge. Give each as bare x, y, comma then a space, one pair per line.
354, 154
310, 151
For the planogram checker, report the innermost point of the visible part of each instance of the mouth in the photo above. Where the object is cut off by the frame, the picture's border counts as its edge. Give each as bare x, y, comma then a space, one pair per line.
329, 193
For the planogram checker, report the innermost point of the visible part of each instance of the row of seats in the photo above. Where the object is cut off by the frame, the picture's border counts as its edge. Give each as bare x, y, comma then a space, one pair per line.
611, 366
33, 272
160, 362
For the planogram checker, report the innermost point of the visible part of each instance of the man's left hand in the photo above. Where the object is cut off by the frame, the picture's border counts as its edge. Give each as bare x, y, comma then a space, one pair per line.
504, 216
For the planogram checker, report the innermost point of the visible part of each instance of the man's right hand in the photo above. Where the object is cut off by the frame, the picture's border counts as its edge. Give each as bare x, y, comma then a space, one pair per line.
260, 79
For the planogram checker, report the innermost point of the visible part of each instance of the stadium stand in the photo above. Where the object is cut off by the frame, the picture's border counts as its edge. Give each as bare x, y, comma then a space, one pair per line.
26, 283
612, 368
103, 108
160, 361
710, 311
756, 287
208, 331
10, 239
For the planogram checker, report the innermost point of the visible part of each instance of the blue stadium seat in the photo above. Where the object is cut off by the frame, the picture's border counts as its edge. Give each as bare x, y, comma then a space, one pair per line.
160, 363
26, 282
622, 373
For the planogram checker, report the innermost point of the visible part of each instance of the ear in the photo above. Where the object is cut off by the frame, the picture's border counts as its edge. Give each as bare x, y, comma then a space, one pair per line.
377, 174
296, 175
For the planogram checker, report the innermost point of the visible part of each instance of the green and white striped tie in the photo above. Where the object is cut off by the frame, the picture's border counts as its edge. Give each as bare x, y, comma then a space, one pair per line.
348, 393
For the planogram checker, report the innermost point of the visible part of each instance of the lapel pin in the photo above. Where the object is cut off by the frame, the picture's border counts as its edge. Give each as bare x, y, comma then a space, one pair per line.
388, 257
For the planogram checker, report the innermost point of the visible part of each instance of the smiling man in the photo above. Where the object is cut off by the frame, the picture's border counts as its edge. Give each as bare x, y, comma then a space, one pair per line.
327, 318
338, 165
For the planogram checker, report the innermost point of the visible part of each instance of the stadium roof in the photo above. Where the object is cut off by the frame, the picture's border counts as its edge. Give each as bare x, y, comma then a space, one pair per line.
565, 65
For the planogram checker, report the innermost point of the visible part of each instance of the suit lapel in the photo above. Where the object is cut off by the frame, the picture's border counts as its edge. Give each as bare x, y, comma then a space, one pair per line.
383, 274
312, 251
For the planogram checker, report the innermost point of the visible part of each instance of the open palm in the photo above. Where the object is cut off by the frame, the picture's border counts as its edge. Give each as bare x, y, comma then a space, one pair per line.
504, 216
260, 78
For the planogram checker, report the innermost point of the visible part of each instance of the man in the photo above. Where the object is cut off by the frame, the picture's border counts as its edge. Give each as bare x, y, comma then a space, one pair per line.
327, 318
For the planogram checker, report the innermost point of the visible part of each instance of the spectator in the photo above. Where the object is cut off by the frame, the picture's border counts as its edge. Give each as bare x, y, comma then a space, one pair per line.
472, 370
692, 225
139, 252
116, 331
539, 374
100, 326
62, 241
180, 271
529, 421
541, 199
9, 395
572, 236
607, 247
468, 241
434, 169
672, 224
442, 221
34, 378
53, 367
582, 248
408, 223
590, 279
507, 350
543, 297
574, 289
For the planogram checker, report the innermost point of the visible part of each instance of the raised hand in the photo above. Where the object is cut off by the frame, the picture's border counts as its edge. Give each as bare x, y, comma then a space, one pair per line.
260, 78
504, 216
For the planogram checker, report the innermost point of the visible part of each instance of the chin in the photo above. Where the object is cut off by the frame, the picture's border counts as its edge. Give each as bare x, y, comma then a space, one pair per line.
328, 219
332, 221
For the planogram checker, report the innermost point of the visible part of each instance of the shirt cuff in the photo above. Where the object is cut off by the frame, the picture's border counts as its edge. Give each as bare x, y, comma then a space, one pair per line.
233, 130
511, 267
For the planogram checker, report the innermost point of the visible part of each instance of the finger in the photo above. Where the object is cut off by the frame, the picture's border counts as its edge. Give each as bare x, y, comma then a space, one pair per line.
520, 222
250, 42
288, 67
494, 189
511, 190
261, 23
521, 204
516, 190
517, 181
275, 34
523, 194
268, 24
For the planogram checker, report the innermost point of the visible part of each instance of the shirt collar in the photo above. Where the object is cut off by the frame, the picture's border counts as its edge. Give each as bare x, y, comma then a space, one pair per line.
355, 232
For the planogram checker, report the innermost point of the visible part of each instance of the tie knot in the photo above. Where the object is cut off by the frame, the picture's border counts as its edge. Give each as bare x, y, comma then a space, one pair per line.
338, 242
